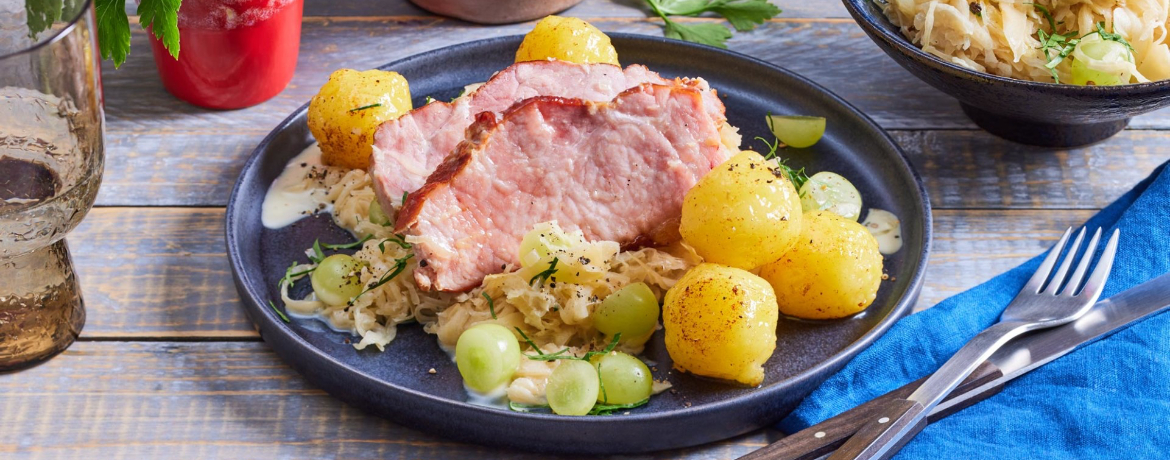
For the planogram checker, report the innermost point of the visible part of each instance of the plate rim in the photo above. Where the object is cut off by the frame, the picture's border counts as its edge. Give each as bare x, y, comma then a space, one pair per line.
266, 320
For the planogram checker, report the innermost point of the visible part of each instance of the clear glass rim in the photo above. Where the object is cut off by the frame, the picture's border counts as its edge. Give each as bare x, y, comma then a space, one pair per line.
56, 36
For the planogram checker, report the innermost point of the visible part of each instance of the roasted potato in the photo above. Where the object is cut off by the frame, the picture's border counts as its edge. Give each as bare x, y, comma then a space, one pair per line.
721, 322
744, 213
832, 272
566, 39
348, 109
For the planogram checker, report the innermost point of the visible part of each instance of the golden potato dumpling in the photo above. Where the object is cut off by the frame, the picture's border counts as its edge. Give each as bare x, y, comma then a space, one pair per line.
833, 271
744, 213
566, 39
348, 109
721, 322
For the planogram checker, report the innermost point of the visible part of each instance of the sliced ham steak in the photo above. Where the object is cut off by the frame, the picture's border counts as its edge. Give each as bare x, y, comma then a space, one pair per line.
615, 170
407, 149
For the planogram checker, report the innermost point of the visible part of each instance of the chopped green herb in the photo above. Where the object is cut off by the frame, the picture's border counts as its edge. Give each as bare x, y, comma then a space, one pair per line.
289, 275
609, 409
528, 340
544, 275
318, 254
399, 266
429, 100
491, 304
352, 245
278, 312
1112, 37
364, 107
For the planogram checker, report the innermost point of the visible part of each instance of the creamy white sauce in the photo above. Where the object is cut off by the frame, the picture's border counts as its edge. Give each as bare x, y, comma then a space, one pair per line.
288, 200
497, 398
886, 228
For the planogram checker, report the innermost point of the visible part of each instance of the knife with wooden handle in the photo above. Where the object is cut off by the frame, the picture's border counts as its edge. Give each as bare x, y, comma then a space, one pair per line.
1013, 360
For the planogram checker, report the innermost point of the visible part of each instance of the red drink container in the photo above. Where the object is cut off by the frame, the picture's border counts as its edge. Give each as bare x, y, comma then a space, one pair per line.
233, 53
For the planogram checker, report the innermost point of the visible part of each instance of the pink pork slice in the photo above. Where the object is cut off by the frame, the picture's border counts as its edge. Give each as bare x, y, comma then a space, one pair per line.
615, 170
407, 149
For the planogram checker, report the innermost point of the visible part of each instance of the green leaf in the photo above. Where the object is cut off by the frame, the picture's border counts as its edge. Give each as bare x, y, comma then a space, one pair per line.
162, 17
704, 33
683, 7
41, 14
113, 30
745, 15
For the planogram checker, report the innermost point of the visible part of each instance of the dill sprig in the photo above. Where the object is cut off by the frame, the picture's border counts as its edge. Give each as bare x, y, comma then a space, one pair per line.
544, 275
396, 239
278, 312
289, 274
318, 255
491, 305
352, 245
399, 266
364, 107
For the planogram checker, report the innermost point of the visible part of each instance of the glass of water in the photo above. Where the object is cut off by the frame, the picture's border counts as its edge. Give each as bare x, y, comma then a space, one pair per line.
51, 160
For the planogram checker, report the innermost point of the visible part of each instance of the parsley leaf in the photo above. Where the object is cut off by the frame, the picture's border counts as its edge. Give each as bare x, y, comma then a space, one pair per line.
113, 30
704, 33
744, 15
544, 275
162, 17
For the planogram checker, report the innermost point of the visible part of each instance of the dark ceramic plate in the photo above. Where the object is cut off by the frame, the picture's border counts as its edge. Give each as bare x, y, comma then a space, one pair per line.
395, 384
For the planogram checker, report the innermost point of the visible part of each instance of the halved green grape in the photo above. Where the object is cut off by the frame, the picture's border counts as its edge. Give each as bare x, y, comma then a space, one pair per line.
336, 280
797, 131
542, 240
487, 355
572, 388
1101, 62
624, 378
377, 215
827, 191
631, 310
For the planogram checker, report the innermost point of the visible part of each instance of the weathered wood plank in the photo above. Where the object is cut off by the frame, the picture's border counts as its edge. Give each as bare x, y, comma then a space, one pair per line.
163, 272
164, 152
223, 401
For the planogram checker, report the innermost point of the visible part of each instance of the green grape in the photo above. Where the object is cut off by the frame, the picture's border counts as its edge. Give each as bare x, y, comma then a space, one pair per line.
624, 378
487, 355
632, 311
1100, 62
377, 216
826, 191
335, 280
797, 131
572, 388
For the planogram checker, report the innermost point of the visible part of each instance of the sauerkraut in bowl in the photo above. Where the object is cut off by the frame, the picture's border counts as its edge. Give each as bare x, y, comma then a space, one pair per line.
1080, 42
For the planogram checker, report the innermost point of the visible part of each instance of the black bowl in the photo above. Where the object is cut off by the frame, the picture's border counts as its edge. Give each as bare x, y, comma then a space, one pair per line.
396, 384
1028, 112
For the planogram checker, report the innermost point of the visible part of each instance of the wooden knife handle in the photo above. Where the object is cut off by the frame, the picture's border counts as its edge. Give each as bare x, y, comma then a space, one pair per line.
820, 439
897, 422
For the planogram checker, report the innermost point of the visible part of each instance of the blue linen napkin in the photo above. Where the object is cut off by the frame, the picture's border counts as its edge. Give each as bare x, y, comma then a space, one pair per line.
1110, 399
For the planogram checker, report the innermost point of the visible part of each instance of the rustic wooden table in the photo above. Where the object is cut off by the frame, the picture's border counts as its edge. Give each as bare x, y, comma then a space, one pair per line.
169, 367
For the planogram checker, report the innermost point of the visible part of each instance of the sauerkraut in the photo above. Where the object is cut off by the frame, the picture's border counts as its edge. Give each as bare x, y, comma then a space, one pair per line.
1004, 37
555, 314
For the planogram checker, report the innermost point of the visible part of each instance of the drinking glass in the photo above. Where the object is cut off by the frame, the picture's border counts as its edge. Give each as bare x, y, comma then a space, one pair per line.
51, 161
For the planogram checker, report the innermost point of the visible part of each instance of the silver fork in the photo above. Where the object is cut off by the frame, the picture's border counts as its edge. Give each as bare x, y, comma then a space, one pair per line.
1046, 301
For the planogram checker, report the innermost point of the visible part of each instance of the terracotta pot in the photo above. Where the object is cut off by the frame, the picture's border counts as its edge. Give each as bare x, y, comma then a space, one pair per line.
495, 12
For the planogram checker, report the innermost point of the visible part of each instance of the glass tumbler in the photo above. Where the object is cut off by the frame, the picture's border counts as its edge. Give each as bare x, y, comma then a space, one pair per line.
51, 161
